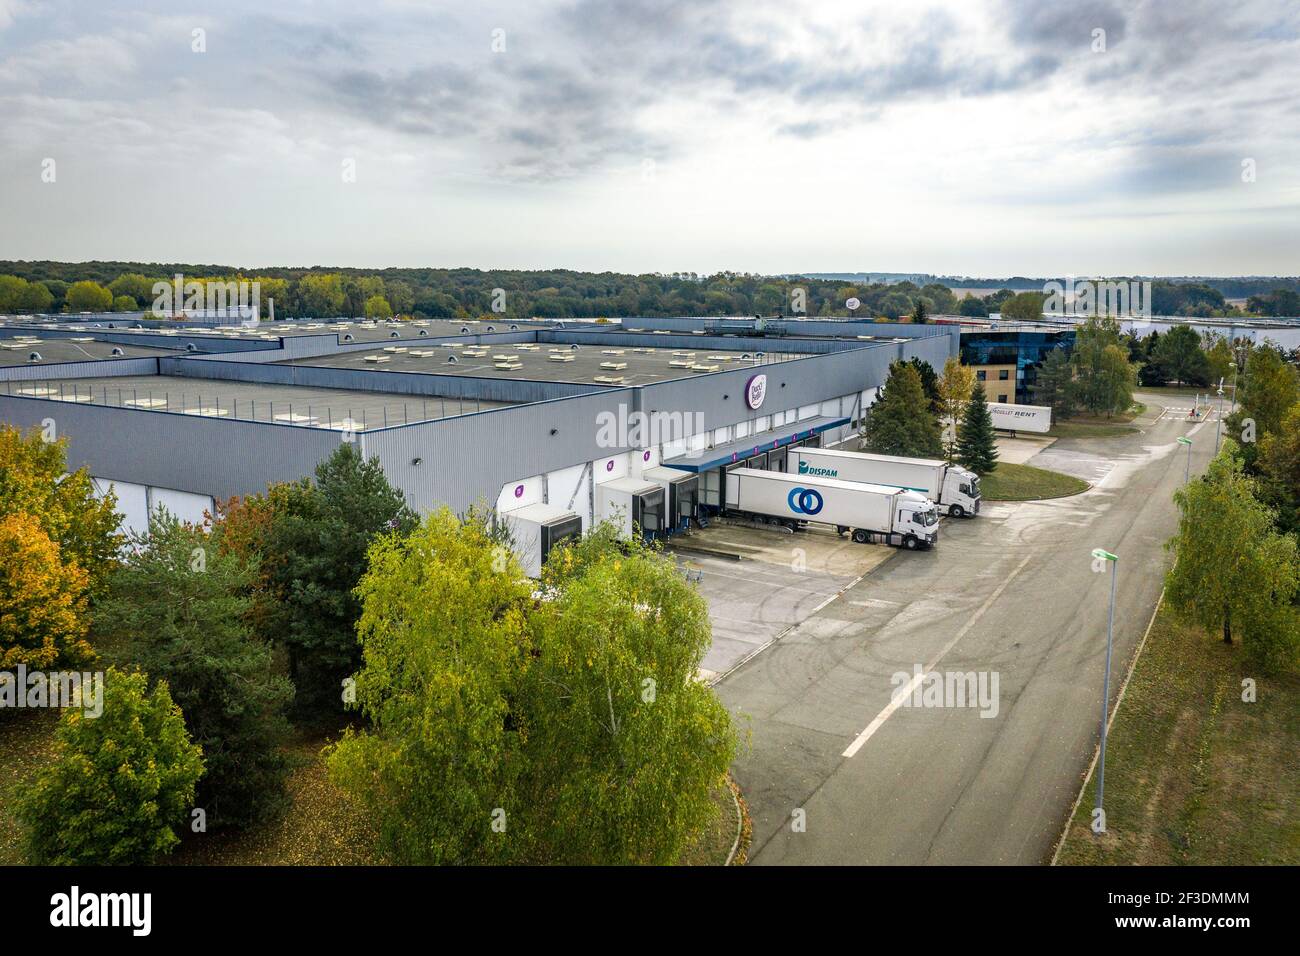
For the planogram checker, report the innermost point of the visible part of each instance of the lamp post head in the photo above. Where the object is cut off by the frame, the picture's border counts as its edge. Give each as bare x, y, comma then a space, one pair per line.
1183, 441
1103, 554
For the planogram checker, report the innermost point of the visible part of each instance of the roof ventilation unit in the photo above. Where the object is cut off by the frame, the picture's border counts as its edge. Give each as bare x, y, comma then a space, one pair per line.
117, 351
34, 357
452, 360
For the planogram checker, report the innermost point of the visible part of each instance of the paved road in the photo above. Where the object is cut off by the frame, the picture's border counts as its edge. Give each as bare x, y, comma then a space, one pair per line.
1011, 592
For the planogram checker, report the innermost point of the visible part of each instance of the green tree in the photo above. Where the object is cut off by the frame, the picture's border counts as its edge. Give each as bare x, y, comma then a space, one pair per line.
1055, 384
138, 287
124, 303
117, 785
1278, 463
977, 445
1231, 569
504, 729
1104, 377
629, 744
315, 553
901, 421
446, 644
377, 307
177, 608
87, 296
919, 314
1181, 357
955, 387
1269, 388
1024, 307
34, 480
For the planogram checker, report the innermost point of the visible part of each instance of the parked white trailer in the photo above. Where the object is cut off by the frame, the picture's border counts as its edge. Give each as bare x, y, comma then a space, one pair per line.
952, 487
1021, 418
630, 502
536, 529
868, 512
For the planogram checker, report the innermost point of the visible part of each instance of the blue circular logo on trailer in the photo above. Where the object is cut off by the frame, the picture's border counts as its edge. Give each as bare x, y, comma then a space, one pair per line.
804, 501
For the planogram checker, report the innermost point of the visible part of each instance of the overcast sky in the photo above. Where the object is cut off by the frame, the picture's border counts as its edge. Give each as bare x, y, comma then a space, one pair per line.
980, 137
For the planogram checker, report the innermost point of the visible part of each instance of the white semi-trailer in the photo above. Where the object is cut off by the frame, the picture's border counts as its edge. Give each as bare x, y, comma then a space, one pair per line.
953, 488
868, 512
1021, 418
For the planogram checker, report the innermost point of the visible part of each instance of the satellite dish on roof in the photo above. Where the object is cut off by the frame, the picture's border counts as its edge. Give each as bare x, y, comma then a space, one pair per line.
34, 357
852, 304
452, 360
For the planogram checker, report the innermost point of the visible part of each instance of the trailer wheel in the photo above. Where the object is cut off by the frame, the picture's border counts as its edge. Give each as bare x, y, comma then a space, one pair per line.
860, 536
791, 526
957, 511
910, 542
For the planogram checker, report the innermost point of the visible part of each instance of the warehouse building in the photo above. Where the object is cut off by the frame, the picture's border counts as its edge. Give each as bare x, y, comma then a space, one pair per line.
557, 427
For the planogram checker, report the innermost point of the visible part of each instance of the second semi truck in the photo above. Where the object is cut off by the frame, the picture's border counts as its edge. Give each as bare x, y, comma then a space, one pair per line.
868, 512
954, 489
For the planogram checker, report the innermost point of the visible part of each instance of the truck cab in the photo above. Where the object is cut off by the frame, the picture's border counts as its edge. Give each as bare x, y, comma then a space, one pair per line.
961, 492
917, 521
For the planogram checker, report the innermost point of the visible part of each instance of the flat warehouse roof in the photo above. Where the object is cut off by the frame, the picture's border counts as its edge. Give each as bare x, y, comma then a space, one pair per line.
15, 351
592, 363
250, 401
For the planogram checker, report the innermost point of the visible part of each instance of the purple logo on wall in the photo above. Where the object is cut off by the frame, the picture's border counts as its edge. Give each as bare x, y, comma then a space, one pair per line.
645, 456
756, 391
519, 491
609, 465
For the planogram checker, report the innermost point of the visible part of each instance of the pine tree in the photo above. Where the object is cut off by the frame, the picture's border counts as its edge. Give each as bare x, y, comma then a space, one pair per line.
977, 447
902, 422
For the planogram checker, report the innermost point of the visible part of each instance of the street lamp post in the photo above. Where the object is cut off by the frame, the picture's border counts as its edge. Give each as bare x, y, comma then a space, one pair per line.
1233, 408
1218, 430
1187, 471
1105, 684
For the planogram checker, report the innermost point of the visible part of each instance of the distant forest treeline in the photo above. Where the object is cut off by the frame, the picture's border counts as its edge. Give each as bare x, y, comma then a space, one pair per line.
320, 292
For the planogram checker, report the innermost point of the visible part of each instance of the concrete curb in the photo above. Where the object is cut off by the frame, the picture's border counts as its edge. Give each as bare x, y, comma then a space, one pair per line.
1096, 751
709, 552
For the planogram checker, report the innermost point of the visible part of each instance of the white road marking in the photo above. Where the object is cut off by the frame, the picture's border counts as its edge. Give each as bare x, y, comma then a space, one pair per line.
899, 696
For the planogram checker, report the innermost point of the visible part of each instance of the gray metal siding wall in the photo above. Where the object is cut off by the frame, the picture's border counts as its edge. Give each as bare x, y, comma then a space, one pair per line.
376, 380
698, 343
468, 458
184, 452
175, 342
89, 369
720, 397
808, 326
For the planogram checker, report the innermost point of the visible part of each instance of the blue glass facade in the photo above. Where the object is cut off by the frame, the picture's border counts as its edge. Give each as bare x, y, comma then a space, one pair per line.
1025, 350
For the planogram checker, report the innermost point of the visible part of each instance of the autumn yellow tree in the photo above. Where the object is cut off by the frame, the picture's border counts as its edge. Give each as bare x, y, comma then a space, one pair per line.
955, 386
43, 618
34, 481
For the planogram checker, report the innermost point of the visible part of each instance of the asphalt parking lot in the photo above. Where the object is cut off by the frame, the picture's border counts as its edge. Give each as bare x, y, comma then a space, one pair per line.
781, 580
1013, 595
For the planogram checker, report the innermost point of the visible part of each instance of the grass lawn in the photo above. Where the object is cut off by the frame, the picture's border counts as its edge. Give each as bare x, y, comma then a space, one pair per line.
1194, 775
1010, 482
321, 827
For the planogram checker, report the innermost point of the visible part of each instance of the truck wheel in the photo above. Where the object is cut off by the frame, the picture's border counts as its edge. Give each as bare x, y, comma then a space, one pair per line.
860, 536
957, 511
910, 542
791, 527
